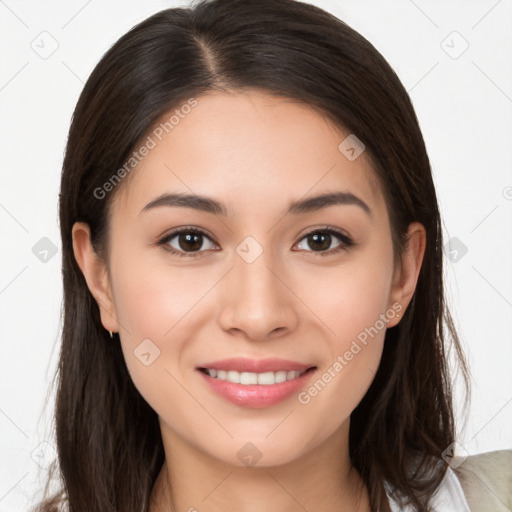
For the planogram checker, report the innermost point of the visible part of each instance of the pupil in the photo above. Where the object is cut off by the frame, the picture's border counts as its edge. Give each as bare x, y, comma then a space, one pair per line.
194, 241
318, 244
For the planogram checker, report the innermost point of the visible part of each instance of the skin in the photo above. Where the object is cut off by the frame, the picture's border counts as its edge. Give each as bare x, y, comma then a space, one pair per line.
255, 153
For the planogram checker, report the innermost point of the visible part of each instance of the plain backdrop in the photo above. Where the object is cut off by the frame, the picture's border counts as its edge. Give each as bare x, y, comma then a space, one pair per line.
453, 57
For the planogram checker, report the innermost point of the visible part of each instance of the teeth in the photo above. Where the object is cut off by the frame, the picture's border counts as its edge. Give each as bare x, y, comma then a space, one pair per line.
247, 378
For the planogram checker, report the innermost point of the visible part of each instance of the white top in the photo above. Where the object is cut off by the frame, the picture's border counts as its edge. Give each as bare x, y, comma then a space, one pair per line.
448, 497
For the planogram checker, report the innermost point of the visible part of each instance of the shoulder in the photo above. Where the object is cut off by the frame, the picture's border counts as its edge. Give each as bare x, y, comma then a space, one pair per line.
486, 479
477, 483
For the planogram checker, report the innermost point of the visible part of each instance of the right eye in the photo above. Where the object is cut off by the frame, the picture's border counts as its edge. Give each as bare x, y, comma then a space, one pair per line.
188, 242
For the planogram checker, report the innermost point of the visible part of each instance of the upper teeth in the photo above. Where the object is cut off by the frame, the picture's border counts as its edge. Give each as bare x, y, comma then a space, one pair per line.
267, 378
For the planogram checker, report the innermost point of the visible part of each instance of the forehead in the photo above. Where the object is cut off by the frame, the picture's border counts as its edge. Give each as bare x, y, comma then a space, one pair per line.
249, 147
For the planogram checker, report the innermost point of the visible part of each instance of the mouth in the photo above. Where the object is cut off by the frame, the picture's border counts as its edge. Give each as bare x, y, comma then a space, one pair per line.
252, 378
255, 383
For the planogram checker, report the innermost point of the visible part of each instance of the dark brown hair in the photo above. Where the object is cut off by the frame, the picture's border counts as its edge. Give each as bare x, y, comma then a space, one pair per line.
108, 438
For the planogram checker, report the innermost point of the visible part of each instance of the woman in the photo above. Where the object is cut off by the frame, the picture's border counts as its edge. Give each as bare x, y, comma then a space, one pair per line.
254, 313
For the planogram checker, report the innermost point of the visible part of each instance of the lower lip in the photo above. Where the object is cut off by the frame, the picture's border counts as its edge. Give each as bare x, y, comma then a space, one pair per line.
256, 396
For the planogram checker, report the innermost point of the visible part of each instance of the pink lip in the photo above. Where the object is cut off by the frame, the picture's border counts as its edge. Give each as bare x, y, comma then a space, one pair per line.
243, 364
256, 396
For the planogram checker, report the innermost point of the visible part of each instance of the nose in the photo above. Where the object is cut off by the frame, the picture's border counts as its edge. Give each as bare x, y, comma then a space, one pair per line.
257, 301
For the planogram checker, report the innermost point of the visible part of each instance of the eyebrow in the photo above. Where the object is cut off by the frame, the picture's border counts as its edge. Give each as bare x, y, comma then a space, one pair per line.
209, 205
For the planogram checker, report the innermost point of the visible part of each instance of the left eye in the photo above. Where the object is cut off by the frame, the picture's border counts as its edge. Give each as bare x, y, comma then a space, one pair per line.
321, 241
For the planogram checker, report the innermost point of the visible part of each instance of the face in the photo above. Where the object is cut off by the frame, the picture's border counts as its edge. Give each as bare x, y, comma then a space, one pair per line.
253, 278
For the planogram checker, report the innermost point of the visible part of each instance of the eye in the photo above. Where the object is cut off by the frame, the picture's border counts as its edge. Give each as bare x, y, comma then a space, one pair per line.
320, 241
185, 242
190, 242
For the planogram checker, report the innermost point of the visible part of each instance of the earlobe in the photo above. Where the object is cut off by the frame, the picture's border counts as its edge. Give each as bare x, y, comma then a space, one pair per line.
95, 274
407, 271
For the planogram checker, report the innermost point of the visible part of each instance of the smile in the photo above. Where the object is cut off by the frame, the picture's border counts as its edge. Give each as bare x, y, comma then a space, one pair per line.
250, 378
255, 389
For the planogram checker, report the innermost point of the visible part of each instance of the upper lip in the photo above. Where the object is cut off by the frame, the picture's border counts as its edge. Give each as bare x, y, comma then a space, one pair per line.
243, 364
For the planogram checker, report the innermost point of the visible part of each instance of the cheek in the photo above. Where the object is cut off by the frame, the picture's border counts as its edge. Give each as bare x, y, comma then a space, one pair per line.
339, 387
154, 299
155, 306
354, 324
352, 304
350, 297
355, 315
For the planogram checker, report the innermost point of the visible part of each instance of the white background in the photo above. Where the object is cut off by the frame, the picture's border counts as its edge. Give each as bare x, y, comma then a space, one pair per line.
464, 106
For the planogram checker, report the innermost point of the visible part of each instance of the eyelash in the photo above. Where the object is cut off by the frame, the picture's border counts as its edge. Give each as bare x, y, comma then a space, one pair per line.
346, 241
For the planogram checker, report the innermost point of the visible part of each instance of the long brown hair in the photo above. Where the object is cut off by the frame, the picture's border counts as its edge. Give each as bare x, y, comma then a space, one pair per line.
109, 444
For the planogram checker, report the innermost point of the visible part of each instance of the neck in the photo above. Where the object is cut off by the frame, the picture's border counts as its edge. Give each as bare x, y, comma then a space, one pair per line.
320, 480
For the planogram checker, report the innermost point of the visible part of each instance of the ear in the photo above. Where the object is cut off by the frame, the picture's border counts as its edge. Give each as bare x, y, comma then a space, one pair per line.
95, 272
407, 270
